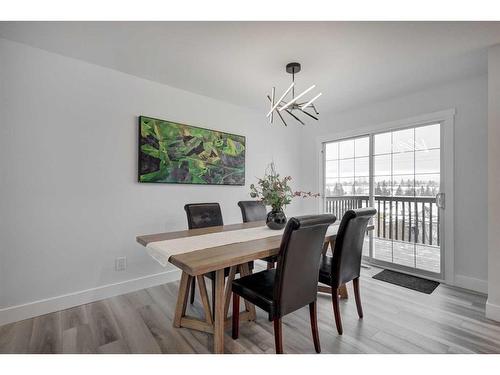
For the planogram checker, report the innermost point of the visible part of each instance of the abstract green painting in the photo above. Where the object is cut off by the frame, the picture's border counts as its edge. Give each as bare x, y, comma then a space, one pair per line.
175, 153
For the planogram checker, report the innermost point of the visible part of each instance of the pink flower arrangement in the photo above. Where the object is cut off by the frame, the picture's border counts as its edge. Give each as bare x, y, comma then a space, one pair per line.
304, 194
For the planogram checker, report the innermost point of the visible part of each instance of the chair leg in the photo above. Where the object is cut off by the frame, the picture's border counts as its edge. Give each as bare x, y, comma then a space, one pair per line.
278, 336
193, 285
357, 297
314, 326
236, 316
336, 311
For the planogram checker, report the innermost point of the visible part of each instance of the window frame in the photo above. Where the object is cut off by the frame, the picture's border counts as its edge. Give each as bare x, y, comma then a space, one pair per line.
446, 119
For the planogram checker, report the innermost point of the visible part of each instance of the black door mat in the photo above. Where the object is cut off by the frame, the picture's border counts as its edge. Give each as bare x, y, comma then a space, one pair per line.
407, 281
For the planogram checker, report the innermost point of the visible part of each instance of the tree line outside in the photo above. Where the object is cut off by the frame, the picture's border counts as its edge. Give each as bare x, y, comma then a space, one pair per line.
406, 188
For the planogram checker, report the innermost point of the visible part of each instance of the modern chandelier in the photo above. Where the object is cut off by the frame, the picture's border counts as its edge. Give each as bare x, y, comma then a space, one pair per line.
292, 107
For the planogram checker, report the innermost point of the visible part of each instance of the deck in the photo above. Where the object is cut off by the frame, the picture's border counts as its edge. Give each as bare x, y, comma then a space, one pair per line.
425, 257
407, 229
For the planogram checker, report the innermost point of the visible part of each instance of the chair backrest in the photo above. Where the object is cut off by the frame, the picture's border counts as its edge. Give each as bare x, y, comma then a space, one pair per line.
203, 215
252, 211
346, 262
296, 283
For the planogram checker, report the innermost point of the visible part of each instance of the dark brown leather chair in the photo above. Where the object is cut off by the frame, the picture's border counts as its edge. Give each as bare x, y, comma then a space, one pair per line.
256, 211
294, 283
345, 264
205, 215
252, 211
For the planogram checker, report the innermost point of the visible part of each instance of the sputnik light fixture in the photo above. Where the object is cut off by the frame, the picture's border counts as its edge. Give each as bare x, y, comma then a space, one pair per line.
293, 105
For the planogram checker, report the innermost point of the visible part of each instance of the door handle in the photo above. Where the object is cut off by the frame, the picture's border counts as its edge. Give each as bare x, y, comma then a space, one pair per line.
440, 200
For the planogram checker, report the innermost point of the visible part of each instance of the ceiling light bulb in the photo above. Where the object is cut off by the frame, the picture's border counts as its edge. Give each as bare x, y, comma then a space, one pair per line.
272, 103
280, 99
310, 101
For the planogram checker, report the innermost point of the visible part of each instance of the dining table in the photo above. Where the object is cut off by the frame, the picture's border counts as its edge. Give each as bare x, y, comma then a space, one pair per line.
197, 252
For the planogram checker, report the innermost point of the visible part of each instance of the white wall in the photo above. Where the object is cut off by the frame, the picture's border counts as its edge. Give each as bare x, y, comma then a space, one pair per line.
493, 303
70, 203
469, 97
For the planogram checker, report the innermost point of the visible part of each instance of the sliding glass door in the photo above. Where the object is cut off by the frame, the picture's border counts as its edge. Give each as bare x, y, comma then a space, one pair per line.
399, 173
347, 176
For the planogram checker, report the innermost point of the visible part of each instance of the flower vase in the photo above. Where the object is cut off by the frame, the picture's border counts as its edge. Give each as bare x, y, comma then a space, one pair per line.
276, 219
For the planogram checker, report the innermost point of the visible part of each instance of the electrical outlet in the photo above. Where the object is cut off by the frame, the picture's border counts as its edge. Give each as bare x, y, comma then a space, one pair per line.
120, 264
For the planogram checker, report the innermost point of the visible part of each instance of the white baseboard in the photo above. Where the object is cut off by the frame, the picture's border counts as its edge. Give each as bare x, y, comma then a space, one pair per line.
492, 311
29, 310
471, 283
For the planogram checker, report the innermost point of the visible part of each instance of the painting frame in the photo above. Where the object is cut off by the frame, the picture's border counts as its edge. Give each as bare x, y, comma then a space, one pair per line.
140, 119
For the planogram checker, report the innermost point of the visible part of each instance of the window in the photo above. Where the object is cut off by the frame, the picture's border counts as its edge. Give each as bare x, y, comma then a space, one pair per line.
347, 167
398, 171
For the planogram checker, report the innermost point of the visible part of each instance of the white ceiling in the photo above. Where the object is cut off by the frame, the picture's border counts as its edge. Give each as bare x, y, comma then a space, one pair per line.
352, 63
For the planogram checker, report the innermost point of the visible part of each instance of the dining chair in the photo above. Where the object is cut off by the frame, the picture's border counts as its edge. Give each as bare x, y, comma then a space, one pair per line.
205, 215
293, 283
252, 211
256, 211
345, 264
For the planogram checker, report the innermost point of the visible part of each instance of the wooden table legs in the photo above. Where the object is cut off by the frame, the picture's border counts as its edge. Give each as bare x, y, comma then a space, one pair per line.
204, 299
343, 292
325, 248
180, 308
328, 289
219, 312
218, 322
227, 296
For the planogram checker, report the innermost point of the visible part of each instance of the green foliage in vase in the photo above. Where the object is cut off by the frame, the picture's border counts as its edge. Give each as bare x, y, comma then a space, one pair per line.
272, 190
275, 191
176, 153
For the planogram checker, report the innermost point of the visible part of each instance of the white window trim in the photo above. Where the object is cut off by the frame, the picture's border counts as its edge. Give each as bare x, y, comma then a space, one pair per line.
445, 117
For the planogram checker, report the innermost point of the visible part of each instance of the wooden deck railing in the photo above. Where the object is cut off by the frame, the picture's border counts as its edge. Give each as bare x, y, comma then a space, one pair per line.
410, 219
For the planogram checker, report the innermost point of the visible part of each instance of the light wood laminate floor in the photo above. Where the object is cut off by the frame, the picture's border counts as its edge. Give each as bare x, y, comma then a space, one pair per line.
397, 320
